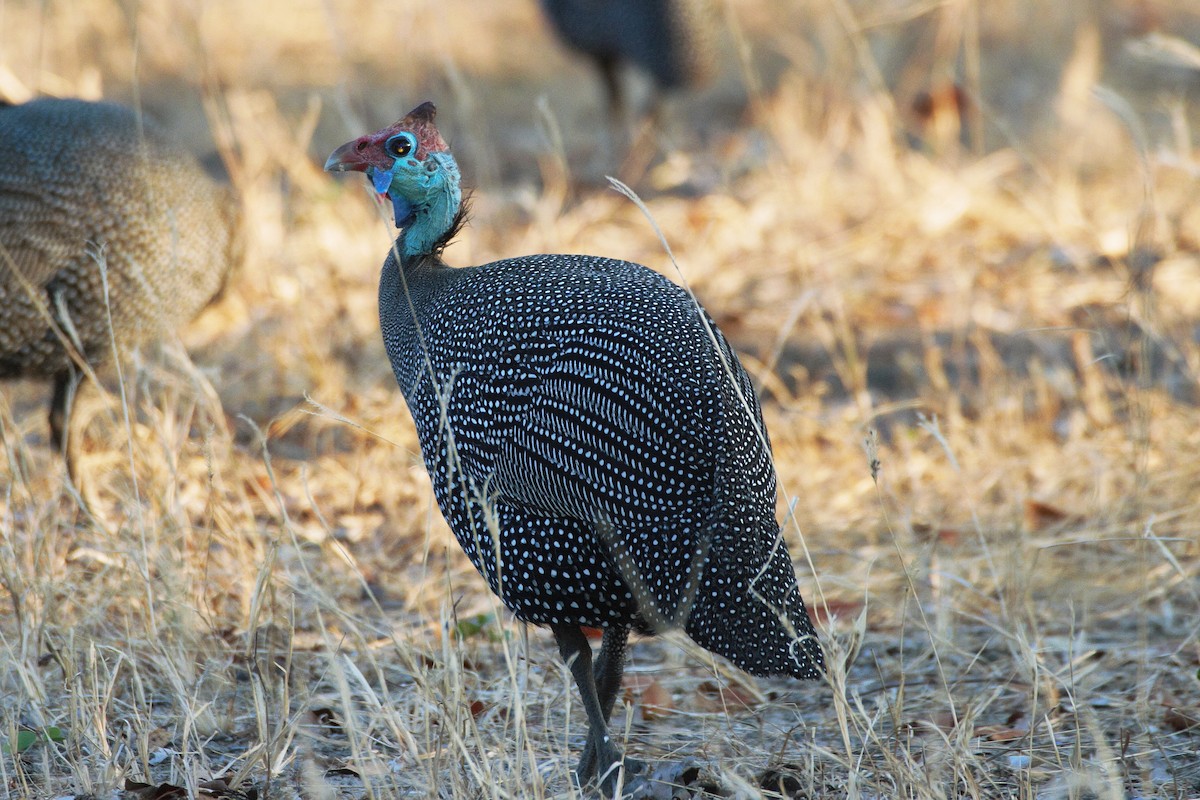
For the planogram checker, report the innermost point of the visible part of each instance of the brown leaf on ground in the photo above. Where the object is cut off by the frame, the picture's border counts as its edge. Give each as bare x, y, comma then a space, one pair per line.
948, 537
220, 790
656, 701
1039, 516
1181, 718
783, 779
653, 699
326, 718
711, 696
146, 791
999, 733
835, 609
208, 790
1018, 719
942, 721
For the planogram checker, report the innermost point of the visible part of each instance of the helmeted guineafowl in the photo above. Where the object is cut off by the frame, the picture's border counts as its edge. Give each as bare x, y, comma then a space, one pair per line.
670, 40
84, 183
593, 441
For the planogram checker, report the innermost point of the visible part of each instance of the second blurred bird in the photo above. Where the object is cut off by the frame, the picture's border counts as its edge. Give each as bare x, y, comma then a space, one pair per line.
672, 41
110, 235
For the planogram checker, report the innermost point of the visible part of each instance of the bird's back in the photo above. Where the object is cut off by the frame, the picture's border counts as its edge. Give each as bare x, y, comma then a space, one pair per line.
85, 183
590, 413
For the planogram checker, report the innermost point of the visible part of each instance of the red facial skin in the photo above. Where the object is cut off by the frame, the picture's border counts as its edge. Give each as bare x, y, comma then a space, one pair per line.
369, 151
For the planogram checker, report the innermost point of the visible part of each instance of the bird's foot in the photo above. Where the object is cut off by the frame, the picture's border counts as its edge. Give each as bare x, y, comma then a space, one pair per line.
619, 779
669, 780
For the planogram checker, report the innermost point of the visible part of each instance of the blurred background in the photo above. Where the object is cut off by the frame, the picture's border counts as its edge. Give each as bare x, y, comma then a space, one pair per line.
960, 239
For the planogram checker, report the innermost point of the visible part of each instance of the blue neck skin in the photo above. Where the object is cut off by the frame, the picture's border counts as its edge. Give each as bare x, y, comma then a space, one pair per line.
425, 198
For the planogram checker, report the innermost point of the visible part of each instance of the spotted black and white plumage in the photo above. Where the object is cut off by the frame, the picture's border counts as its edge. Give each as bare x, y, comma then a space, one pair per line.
593, 441
562, 393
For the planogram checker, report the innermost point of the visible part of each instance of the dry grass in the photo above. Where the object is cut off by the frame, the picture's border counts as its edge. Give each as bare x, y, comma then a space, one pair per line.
1002, 306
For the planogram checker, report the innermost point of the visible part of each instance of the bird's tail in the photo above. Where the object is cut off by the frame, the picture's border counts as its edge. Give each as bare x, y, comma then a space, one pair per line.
750, 610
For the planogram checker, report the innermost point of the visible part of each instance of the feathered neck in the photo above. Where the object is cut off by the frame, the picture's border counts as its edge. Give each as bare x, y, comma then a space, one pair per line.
419, 243
428, 217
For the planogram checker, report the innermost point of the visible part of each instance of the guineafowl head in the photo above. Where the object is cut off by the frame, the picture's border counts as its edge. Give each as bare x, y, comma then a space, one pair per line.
409, 163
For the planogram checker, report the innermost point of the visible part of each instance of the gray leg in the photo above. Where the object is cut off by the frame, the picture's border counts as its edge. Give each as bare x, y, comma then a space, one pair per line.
610, 665
610, 75
602, 757
66, 386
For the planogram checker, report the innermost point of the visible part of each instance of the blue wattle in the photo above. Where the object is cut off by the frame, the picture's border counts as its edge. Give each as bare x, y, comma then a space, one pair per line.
380, 179
401, 209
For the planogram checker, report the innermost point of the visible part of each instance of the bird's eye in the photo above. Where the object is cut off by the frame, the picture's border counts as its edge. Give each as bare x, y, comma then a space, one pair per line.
400, 145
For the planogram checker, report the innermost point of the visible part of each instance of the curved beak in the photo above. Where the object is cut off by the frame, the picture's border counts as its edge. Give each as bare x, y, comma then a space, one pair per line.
346, 158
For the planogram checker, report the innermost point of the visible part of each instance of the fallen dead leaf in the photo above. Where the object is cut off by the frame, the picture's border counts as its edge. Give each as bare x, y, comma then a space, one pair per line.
711, 696
1039, 516
1181, 718
999, 733
835, 609
207, 790
652, 699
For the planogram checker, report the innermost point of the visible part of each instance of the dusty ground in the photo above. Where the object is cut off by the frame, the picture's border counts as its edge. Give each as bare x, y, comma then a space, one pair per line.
1001, 306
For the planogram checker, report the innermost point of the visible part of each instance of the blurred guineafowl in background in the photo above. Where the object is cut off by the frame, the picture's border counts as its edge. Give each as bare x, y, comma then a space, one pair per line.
593, 441
84, 184
671, 40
